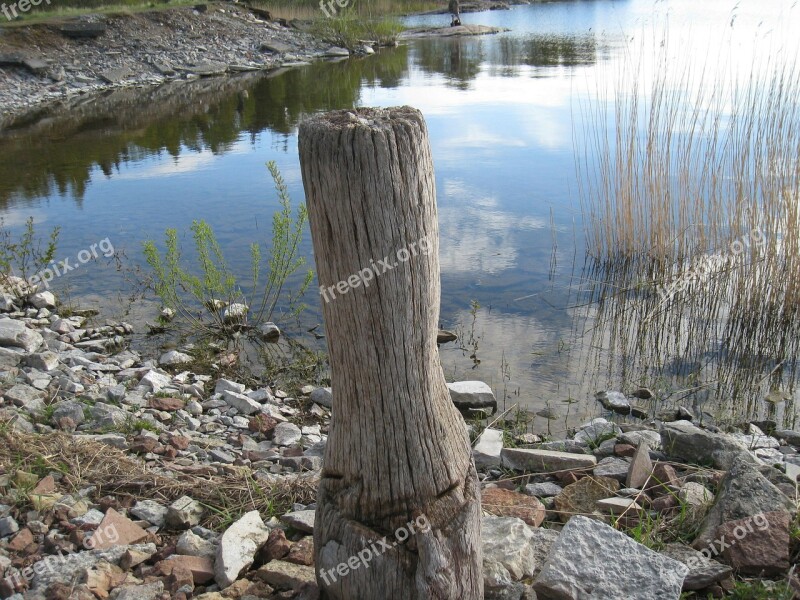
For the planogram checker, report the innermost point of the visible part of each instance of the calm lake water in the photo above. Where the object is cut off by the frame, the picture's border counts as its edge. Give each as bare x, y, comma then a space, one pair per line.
506, 116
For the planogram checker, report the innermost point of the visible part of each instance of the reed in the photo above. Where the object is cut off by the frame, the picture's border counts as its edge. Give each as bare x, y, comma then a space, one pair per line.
689, 191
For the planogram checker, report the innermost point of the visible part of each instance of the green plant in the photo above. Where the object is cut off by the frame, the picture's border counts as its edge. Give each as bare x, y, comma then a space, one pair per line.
215, 287
350, 30
761, 590
27, 255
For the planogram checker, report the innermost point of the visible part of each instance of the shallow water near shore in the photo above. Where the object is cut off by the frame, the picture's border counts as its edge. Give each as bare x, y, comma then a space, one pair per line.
506, 120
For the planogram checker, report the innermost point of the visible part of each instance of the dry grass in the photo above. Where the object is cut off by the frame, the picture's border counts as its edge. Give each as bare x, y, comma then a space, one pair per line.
85, 462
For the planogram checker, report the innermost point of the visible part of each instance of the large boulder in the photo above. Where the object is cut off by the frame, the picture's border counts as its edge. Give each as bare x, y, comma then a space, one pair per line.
688, 442
592, 560
744, 493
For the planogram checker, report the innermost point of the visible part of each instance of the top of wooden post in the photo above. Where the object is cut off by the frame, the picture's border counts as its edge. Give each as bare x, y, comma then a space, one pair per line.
373, 118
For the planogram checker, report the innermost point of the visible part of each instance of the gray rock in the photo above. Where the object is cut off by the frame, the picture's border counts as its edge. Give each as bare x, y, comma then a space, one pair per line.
173, 357
44, 361
592, 560
228, 385
336, 51
108, 416
284, 575
42, 300
616, 468
151, 511
8, 526
743, 493
242, 403
322, 396
238, 546
116, 440
68, 408
612, 400
184, 513
191, 544
653, 438
519, 548
221, 456
703, 571
546, 489
25, 396
269, 332
286, 434
596, 431
791, 437
302, 520
488, 447
146, 591
15, 333
685, 441
472, 395
545, 461
497, 582
570, 446
156, 380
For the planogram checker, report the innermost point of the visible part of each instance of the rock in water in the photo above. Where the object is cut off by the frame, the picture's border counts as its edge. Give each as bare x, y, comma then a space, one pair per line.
472, 395
592, 560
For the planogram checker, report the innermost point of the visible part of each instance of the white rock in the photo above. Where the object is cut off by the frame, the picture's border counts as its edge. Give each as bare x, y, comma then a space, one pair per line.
488, 447
228, 385
43, 300
472, 395
15, 333
286, 434
155, 380
240, 402
173, 357
238, 546
235, 312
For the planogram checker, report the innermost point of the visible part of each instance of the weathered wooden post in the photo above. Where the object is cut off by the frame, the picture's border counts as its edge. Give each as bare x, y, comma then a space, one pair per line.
398, 511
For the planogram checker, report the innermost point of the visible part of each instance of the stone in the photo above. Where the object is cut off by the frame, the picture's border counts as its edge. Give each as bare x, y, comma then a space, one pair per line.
184, 513
695, 495
581, 497
44, 299
166, 404
791, 437
323, 396
487, 448
147, 591
507, 503
472, 395
592, 560
116, 530
302, 552
275, 47
220, 456
242, 403
618, 506
614, 401
71, 410
133, 557
83, 29
634, 438
201, 567
757, 545
228, 385
685, 441
191, 544
25, 396
336, 51
703, 571
150, 511
238, 546
286, 434
743, 493
596, 431
235, 312
173, 358
277, 545
155, 381
287, 576
302, 520
641, 467
511, 543
616, 468
8, 526
43, 361
545, 489
545, 461
270, 333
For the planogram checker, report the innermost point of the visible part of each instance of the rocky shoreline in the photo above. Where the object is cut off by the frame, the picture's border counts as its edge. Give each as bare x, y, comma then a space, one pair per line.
126, 477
